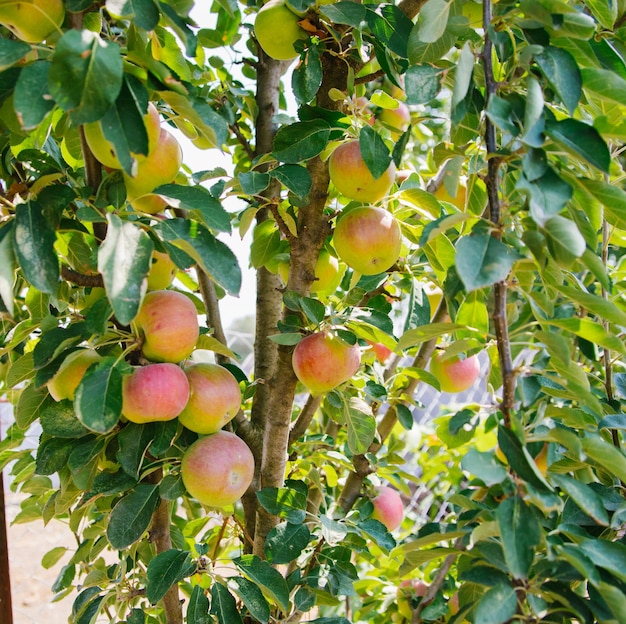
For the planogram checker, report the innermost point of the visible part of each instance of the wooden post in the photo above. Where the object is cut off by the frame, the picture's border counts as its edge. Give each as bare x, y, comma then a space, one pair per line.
6, 611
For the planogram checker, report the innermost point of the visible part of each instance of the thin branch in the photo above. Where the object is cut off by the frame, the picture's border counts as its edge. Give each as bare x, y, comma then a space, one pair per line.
214, 318
242, 141
304, 418
369, 77
81, 279
282, 226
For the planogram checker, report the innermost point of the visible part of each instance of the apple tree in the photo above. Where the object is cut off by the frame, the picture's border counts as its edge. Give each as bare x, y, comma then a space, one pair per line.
422, 179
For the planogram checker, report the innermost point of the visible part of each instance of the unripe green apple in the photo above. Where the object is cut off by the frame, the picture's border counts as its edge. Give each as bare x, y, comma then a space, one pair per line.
353, 179
388, 508
159, 167
103, 149
72, 370
322, 361
32, 21
217, 469
168, 321
276, 29
368, 239
214, 398
155, 392
162, 271
328, 274
453, 373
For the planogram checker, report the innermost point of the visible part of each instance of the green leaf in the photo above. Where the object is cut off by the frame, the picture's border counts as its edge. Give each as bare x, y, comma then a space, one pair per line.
288, 502
86, 75
562, 72
7, 266
198, 608
29, 405
253, 598
482, 260
223, 605
110, 483
52, 455
591, 331
59, 420
307, 76
614, 597
267, 578
548, 194
484, 466
584, 496
285, 542
143, 13
98, 399
34, 240
581, 139
607, 555
348, 13
565, 242
52, 557
358, 417
390, 28
378, 532
124, 260
301, 141
422, 83
86, 606
12, 51
606, 455
519, 459
419, 312
424, 52
295, 177
605, 11
213, 256
605, 83
164, 570
54, 342
199, 199
602, 308
611, 197
253, 182
134, 441
29, 100
416, 336
20, 370
131, 516
497, 606
374, 151
433, 19
473, 313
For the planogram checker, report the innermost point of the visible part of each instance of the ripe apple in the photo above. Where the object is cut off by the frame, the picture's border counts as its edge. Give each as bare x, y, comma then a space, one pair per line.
217, 469
353, 179
388, 508
276, 29
396, 119
322, 361
214, 398
103, 149
368, 239
155, 392
72, 370
168, 322
159, 167
453, 373
32, 21
407, 591
162, 271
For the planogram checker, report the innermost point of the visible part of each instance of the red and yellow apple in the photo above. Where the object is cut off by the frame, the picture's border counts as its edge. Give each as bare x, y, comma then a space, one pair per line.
353, 179
368, 239
155, 392
381, 352
217, 469
276, 29
168, 322
388, 508
162, 271
103, 149
397, 120
32, 21
453, 373
322, 361
65, 381
214, 398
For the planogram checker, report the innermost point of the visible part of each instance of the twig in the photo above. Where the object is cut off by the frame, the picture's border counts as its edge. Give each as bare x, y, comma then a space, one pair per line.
282, 226
304, 418
81, 279
242, 140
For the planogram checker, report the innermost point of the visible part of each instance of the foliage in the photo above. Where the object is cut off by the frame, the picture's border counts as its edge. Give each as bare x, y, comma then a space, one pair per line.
512, 206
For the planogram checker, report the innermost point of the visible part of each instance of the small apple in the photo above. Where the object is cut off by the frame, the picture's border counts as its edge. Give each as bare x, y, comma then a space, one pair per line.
453, 373
168, 321
72, 370
397, 120
353, 179
381, 352
368, 239
162, 271
276, 29
32, 21
408, 590
103, 149
155, 392
388, 508
328, 274
322, 361
457, 200
217, 469
159, 167
214, 398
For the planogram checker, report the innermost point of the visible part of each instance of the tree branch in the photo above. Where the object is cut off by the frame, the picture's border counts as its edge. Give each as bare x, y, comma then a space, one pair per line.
304, 418
80, 279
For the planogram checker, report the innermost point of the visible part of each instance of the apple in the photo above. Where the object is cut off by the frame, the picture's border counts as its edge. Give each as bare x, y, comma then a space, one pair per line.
388, 508
32, 21
397, 119
457, 200
72, 370
217, 469
353, 179
159, 167
168, 322
328, 274
155, 392
103, 149
322, 361
407, 591
276, 29
381, 352
368, 239
453, 373
162, 271
214, 398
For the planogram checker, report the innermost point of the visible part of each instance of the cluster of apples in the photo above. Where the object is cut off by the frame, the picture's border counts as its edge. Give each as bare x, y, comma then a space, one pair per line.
32, 21
217, 468
159, 166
